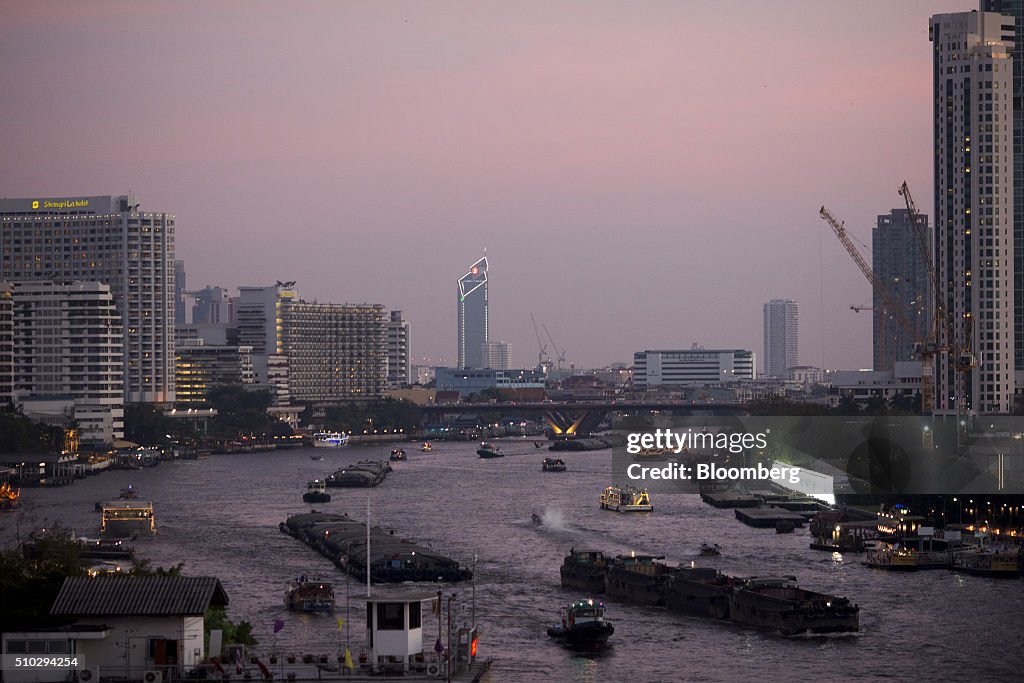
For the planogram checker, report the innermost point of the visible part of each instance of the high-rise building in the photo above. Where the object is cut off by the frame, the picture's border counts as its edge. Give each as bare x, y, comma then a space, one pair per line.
781, 332
212, 305
6, 346
312, 351
68, 356
974, 209
1014, 11
899, 264
104, 239
473, 324
180, 315
497, 355
200, 367
398, 351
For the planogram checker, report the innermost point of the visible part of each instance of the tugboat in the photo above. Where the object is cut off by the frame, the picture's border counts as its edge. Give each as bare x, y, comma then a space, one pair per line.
626, 499
489, 450
398, 455
316, 492
553, 465
584, 570
710, 550
309, 595
426, 447
777, 603
583, 626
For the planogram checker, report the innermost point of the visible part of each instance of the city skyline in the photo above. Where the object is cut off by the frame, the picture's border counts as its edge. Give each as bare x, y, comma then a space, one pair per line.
576, 145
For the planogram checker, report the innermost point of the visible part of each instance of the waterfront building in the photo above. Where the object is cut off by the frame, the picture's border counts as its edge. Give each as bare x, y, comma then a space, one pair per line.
473, 381
6, 346
781, 336
200, 367
313, 351
974, 209
903, 379
473, 323
899, 264
496, 355
68, 363
104, 239
398, 351
691, 367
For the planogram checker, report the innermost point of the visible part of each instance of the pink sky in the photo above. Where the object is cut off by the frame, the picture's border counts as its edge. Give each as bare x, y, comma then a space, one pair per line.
643, 175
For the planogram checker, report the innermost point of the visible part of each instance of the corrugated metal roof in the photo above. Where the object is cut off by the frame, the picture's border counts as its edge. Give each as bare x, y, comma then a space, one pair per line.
138, 596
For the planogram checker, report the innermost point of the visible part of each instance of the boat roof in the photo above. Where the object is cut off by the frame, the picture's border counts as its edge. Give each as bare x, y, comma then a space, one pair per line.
127, 504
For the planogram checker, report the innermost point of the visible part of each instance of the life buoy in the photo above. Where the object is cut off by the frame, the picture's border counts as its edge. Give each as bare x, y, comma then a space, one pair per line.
433, 670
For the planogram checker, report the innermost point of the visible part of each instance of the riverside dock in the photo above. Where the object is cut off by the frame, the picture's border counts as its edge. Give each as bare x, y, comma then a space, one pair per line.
768, 517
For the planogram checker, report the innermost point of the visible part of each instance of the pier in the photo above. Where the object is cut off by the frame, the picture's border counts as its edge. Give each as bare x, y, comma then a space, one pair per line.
768, 517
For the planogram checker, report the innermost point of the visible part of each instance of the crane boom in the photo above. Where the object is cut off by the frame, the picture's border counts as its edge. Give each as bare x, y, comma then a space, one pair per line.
543, 349
883, 293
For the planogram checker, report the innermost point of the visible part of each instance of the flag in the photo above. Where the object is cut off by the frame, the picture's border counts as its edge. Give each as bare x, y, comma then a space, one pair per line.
438, 647
349, 664
264, 670
278, 625
340, 622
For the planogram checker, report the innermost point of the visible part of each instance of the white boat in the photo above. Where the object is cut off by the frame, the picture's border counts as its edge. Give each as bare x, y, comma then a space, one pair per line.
329, 439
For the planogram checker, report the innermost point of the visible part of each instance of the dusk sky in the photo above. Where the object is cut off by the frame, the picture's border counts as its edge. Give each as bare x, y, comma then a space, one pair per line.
643, 175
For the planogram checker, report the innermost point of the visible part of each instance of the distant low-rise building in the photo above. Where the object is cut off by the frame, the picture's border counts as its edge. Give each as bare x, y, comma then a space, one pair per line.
472, 381
691, 367
904, 379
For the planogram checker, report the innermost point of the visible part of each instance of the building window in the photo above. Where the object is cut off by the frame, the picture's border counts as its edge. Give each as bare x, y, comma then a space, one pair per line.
390, 616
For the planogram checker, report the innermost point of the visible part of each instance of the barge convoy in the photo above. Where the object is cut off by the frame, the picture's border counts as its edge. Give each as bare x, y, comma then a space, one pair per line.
392, 559
773, 603
363, 474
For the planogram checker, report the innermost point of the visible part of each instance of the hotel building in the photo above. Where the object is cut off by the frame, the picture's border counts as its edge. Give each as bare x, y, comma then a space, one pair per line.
104, 239
691, 367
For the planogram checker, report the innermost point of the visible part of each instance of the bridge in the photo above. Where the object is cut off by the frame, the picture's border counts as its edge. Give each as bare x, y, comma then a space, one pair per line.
580, 418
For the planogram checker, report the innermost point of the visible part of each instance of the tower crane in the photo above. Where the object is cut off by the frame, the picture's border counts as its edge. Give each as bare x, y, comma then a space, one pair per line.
942, 333
888, 304
559, 353
542, 353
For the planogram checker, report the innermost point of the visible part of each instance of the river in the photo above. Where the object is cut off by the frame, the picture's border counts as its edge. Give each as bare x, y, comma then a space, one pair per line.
220, 517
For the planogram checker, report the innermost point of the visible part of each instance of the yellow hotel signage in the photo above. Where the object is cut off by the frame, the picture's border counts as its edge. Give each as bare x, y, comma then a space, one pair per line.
61, 204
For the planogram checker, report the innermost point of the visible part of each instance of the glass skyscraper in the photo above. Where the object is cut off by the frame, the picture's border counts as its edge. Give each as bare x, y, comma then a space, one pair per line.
473, 322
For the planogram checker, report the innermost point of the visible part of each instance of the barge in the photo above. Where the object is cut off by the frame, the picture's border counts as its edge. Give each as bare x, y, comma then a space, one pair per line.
779, 604
700, 591
363, 474
584, 570
392, 559
637, 579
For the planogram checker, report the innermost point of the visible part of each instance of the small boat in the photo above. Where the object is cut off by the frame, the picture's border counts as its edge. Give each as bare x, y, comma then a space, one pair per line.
128, 493
310, 595
553, 465
426, 447
316, 492
329, 440
583, 626
626, 499
535, 518
537, 444
710, 550
489, 450
316, 456
398, 455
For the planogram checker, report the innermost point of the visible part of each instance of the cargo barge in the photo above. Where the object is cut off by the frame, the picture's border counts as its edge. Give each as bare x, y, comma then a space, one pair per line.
392, 559
363, 474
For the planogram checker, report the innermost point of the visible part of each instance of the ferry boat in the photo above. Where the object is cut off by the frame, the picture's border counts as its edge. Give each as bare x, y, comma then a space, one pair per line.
329, 440
583, 626
701, 591
639, 579
553, 465
989, 561
127, 517
584, 570
778, 603
309, 595
426, 447
626, 499
316, 492
489, 450
398, 455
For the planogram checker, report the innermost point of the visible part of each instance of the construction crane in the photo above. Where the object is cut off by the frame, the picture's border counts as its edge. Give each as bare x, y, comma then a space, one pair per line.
942, 334
542, 361
559, 354
889, 304
881, 337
